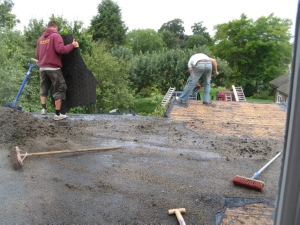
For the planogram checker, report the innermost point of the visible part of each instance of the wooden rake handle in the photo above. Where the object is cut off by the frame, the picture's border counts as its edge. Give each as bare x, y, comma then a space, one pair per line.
70, 151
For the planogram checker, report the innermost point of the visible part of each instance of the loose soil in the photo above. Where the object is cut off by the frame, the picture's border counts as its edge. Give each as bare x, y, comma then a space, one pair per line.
184, 161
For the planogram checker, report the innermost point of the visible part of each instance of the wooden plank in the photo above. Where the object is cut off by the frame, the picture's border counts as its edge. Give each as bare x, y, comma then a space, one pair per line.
253, 120
252, 214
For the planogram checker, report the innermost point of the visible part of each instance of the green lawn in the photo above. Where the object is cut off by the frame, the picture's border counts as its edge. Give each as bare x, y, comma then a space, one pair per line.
251, 99
147, 105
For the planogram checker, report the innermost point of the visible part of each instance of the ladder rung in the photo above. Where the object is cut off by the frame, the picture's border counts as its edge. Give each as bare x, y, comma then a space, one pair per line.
168, 96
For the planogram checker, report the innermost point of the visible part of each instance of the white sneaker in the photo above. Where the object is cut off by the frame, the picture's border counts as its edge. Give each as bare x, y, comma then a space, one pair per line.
44, 112
59, 117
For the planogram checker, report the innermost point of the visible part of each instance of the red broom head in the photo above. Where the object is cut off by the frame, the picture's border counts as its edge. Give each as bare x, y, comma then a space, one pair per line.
250, 183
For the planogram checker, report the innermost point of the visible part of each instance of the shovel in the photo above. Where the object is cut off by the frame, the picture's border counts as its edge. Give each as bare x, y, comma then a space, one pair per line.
32, 63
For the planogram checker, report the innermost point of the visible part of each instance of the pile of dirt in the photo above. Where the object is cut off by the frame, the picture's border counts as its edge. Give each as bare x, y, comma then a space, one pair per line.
19, 128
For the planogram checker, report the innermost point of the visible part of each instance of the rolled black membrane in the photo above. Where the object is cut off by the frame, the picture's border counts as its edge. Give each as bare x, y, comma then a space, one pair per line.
80, 81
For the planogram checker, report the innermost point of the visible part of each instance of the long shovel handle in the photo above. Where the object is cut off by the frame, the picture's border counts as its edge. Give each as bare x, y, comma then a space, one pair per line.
70, 151
34, 60
31, 66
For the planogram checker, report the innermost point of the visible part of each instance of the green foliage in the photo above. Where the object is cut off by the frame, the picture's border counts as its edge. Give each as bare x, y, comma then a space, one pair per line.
147, 40
174, 26
173, 69
199, 29
249, 89
9, 82
13, 42
81, 110
12, 65
159, 111
33, 31
170, 39
7, 20
122, 52
148, 106
111, 73
222, 80
196, 40
145, 92
265, 93
255, 99
144, 70
256, 50
144, 105
148, 92
177, 29
107, 25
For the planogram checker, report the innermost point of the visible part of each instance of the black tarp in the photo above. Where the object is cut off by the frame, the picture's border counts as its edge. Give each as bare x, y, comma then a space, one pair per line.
81, 83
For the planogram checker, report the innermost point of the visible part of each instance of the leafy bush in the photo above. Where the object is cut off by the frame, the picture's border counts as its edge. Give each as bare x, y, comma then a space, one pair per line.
264, 93
249, 90
158, 112
113, 85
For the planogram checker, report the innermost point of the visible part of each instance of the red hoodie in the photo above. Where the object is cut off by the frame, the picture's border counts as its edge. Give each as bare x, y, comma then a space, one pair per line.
49, 49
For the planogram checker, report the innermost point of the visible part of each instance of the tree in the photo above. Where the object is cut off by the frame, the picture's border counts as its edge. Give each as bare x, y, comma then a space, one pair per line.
7, 19
170, 39
107, 25
33, 31
257, 51
196, 40
113, 88
147, 40
199, 29
175, 27
122, 52
12, 65
144, 71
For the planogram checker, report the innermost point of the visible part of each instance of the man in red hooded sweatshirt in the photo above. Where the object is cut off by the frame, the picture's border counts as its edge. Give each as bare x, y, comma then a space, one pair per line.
50, 48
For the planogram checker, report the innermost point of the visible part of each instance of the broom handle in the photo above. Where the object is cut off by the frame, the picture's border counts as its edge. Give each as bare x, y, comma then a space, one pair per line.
70, 151
265, 166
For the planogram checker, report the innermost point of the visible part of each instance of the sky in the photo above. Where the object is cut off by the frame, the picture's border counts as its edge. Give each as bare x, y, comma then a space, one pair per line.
141, 14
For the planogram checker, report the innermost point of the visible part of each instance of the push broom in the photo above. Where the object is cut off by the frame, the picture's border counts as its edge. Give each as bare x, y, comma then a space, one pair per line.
253, 183
17, 160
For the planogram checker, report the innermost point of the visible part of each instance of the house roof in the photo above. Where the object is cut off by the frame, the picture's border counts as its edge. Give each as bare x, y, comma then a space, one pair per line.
282, 84
284, 89
282, 80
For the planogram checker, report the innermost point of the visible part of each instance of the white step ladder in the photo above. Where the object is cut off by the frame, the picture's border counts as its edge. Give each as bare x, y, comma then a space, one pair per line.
168, 96
228, 97
238, 94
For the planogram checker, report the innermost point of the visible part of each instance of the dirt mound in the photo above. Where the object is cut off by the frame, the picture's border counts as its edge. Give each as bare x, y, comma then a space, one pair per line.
19, 128
16, 125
